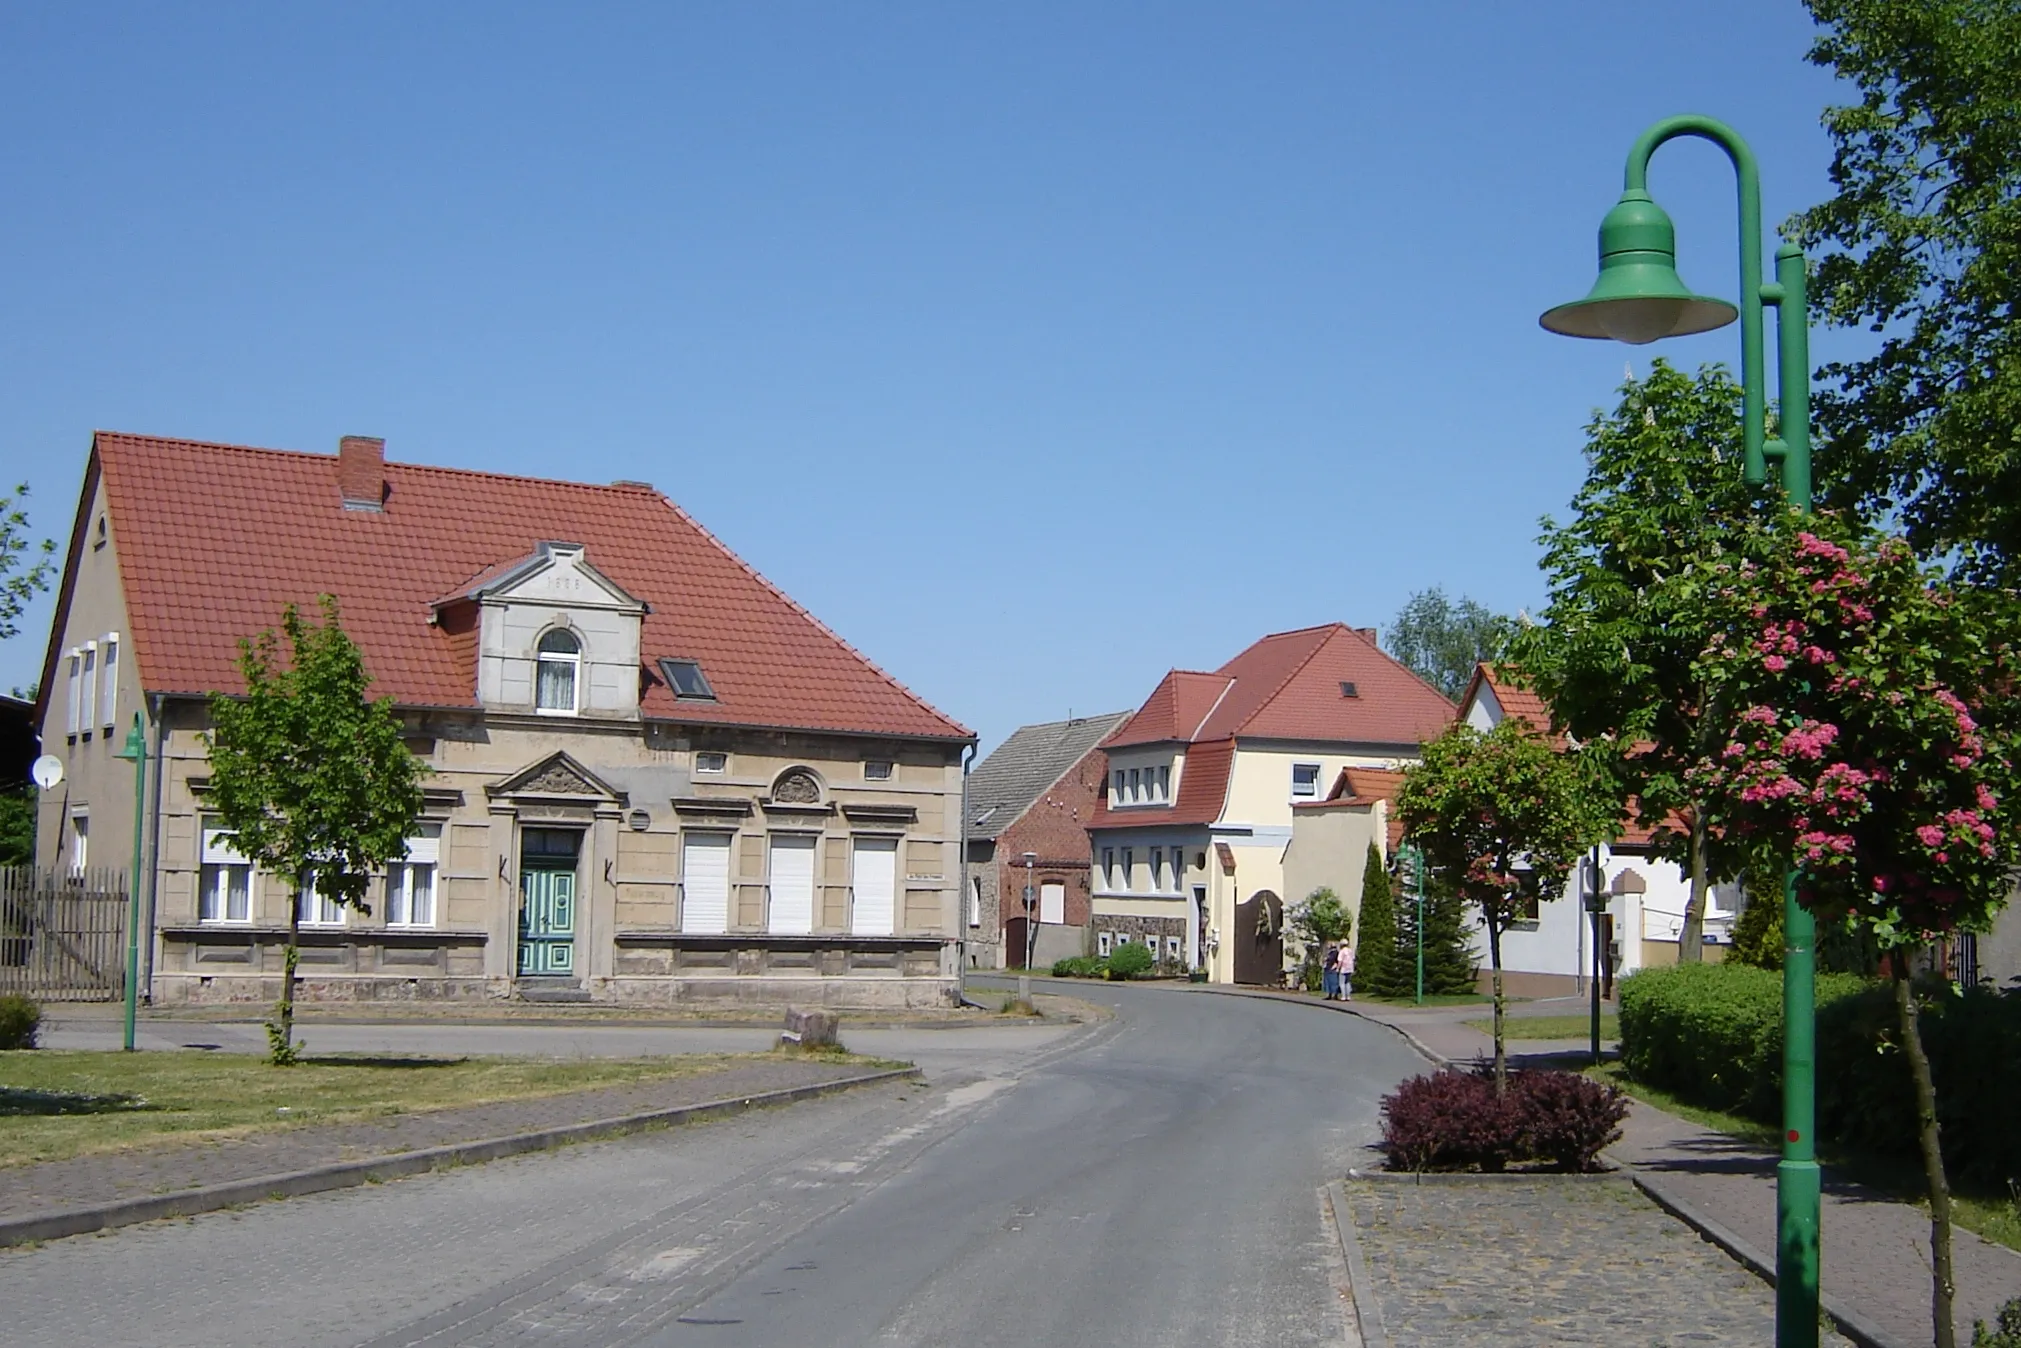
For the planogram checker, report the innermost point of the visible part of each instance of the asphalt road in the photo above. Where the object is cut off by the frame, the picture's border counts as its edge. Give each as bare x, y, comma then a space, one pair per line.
1153, 1180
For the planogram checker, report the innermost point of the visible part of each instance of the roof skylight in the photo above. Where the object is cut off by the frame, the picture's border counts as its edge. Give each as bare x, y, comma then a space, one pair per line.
685, 677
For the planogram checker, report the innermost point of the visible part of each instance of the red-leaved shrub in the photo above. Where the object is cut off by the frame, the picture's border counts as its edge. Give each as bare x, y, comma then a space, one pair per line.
1567, 1119
1453, 1120
1450, 1120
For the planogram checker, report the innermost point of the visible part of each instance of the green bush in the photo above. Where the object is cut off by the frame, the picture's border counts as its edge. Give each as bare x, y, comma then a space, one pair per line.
1130, 959
1080, 966
2007, 1334
1712, 1034
20, 1022
1376, 940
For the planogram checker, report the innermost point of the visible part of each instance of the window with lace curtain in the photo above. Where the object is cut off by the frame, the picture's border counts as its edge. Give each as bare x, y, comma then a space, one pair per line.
558, 673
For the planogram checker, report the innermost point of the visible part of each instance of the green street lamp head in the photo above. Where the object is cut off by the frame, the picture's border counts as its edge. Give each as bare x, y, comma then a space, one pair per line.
136, 743
1639, 296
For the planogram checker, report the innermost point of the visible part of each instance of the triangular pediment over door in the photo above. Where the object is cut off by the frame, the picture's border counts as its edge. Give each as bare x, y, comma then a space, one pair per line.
558, 774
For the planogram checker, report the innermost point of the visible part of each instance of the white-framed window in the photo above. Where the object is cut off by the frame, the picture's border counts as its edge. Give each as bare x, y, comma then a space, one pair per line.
1157, 868
1305, 779
224, 886
712, 762
1129, 868
975, 900
88, 695
1121, 777
1104, 943
108, 681
877, 770
411, 884
873, 887
1136, 785
1165, 782
73, 712
557, 673
80, 841
1174, 948
1109, 867
317, 910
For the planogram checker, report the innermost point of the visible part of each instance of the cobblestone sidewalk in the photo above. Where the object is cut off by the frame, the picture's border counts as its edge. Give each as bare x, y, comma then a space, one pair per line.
90, 1181
1554, 1260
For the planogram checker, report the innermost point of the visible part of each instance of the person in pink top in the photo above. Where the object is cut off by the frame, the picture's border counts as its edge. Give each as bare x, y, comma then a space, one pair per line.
1344, 976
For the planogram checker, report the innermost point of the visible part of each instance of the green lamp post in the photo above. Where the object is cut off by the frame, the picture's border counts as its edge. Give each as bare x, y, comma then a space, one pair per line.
1640, 298
136, 752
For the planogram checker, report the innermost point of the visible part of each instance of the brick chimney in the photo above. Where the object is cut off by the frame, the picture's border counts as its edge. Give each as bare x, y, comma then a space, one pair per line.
361, 472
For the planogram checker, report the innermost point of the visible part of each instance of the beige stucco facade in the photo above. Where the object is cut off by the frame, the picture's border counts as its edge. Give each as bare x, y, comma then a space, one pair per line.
628, 792
1245, 852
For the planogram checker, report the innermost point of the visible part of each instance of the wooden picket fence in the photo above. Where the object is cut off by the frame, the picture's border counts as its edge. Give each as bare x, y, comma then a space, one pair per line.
63, 933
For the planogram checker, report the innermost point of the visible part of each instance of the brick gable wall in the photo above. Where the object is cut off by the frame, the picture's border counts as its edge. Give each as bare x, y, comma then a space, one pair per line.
1056, 828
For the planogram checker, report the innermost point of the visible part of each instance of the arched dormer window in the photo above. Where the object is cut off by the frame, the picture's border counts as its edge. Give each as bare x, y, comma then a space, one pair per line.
558, 673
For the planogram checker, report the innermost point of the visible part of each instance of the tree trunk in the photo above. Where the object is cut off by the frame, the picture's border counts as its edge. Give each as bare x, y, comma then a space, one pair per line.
1943, 1284
281, 1034
1691, 938
1501, 1043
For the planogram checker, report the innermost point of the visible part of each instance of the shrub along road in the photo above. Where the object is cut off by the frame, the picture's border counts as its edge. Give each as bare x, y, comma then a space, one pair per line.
1151, 1180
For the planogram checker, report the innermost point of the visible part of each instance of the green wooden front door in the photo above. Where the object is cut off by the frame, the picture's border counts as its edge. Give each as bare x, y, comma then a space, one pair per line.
546, 922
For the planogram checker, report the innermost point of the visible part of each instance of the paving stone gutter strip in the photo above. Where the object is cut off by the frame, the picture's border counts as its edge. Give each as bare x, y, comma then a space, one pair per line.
349, 1174
1360, 1291
1848, 1321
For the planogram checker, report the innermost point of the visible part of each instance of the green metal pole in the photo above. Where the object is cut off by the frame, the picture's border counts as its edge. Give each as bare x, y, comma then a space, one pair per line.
1418, 871
1797, 1178
136, 749
1593, 922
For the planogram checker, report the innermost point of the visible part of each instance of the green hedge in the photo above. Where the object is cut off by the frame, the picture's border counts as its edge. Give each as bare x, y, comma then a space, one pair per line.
1712, 1034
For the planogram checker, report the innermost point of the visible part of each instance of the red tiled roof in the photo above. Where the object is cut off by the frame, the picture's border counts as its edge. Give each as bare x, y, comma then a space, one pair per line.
1203, 791
1516, 702
1287, 686
214, 539
1174, 711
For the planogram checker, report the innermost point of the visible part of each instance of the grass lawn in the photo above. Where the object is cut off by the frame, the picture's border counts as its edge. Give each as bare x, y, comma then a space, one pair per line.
1992, 1217
1552, 1027
61, 1104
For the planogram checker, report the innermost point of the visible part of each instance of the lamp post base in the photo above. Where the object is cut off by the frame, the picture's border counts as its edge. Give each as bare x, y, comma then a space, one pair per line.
1798, 1185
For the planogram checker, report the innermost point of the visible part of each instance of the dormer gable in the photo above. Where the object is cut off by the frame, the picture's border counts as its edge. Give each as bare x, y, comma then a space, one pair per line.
556, 637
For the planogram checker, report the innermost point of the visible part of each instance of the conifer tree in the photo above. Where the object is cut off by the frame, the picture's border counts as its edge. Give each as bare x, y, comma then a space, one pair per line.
1376, 937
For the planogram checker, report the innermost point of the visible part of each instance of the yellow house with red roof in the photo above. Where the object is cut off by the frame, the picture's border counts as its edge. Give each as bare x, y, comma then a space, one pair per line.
1207, 778
653, 777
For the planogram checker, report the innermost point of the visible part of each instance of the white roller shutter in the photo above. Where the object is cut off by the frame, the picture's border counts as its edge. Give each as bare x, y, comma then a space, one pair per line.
792, 886
705, 883
875, 882
1053, 904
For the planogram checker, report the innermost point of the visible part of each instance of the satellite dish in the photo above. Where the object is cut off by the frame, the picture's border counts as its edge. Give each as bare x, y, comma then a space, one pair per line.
47, 772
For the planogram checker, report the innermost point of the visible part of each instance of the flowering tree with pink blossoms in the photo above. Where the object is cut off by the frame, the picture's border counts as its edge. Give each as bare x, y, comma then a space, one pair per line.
1872, 710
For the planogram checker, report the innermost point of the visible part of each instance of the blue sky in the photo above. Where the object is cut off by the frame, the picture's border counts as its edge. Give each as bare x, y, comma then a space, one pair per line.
1038, 348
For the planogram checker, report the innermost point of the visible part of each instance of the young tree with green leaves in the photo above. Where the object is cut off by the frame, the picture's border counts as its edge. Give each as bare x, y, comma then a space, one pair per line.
312, 779
1615, 654
25, 568
1871, 713
1375, 934
1502, 818
1921, 244
1315, 922
1441, 641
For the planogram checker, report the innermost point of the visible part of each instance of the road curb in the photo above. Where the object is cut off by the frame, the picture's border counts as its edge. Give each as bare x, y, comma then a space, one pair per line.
1424, 1050
1847, 1321
1367, 1319
399, 1165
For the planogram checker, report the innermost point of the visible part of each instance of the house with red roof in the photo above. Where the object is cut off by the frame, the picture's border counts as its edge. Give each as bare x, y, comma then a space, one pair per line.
1206, 779
652, 776
1552, 948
